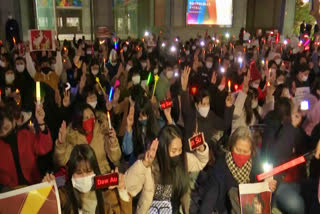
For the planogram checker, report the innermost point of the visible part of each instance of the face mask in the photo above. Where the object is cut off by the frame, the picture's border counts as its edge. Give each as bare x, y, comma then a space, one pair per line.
143, 65
280, 82
187, 52
125, 49
20, 68
204, 111
209, 65
149, 50
53, 67
169, 74
83, 184
10, 137
255, 85
88, 125
174, 161
93, 104
278, 61
9, 78
128, 67
46, 70
254, 104
155, 71
304, 78
143, 122
113, 63
231, 57
94, 71
240, 160
2, 64
136, 79
193, 47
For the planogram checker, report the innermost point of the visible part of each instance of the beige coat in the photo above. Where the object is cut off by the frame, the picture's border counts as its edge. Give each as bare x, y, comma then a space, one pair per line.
99, 144
138, 178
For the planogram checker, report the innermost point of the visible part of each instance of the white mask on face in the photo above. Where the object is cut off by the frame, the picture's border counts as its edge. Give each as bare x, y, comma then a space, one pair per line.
254, 104
169, 74
254, 85
156, 70
136, 79
304, 78
83, 184
53, 67
209, 65
128, 67
125, 49
93, 104
278, 61
187, 52
94, 71
9, 78
143, 65
2, 64
149, 50
231, 57
20, 68
193, 47
204, 111
279, 82
113, 63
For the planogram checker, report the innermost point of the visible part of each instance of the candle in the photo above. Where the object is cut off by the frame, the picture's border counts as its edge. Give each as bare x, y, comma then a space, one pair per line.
268, 83
104, 62
109, 120
30, 124
156, 78
38, 95
229, 86
14, 40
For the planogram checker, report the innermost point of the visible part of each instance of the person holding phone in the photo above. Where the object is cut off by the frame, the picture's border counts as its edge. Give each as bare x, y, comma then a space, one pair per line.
79, 193
162, 176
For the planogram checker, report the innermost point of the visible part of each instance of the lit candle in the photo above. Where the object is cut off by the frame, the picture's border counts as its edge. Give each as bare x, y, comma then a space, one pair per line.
229, 86
268, 83
30, 124
14, 40
104, 62
38, 95
109, 120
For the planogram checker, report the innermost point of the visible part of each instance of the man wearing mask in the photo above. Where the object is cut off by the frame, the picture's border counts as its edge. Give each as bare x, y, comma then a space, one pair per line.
302, 76
113, 64
19, 149
166, 79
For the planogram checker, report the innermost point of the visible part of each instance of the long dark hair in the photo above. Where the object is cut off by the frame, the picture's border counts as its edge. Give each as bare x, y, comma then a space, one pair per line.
177, 176
78, 117
252, 94
82, 152
282, 110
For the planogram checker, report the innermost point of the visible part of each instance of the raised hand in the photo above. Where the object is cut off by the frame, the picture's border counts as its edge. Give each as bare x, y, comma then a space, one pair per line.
229, 100
48, 178
66, 99
130, 119
296, 119
185, 78
317, 154
40, 114
214, 78
151, 153
62, 132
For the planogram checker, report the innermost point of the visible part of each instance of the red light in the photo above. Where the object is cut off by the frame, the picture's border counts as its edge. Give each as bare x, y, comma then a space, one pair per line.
271, 32
194, 90
104, 181
236, 87
281, 168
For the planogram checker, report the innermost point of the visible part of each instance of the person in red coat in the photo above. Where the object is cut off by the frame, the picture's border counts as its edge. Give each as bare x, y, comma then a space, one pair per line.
19, 149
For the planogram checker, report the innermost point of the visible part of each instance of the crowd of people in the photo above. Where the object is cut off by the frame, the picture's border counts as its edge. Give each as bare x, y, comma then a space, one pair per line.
130, 106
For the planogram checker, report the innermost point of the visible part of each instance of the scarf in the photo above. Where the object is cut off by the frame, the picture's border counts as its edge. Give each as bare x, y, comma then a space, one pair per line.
241, 175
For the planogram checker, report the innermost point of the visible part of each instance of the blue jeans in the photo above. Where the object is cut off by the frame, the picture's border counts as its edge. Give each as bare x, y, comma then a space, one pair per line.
288, 199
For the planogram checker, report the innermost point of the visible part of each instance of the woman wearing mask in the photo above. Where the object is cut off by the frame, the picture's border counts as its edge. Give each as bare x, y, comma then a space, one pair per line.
86, 129
238, 166
79, 195
10, 88
162, 175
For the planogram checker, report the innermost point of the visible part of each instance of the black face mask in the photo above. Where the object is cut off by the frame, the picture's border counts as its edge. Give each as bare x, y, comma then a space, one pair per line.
46, 70
174, 161
10, 137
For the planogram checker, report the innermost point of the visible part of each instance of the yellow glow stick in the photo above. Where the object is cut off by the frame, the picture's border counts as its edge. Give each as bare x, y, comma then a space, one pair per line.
38, 95
98, 81
156, 78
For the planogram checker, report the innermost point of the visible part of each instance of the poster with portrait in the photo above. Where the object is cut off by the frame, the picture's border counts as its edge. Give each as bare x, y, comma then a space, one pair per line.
40, 198
42, 40
255, 198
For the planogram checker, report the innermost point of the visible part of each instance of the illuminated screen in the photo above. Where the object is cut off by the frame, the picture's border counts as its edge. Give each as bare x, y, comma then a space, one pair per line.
209, 12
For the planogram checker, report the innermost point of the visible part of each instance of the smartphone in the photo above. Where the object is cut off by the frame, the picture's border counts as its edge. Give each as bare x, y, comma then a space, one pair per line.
165, 104
304, 105
105, 181
196, 141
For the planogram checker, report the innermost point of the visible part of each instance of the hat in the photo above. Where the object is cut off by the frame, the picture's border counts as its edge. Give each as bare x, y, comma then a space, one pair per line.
254, 72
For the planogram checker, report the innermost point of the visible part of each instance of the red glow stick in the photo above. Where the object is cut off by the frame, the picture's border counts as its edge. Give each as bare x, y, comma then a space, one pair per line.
281, 168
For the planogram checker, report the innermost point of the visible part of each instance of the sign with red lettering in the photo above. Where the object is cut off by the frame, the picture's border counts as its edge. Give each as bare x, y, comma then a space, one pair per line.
105, 181
165, 104
196, 141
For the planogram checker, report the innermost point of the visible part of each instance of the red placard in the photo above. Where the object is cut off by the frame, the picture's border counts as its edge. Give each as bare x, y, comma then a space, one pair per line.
196, 141
105, 181
41, 40
165, 104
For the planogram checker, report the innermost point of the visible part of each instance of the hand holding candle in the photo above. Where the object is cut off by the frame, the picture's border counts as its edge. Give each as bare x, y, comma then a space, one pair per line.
109, 120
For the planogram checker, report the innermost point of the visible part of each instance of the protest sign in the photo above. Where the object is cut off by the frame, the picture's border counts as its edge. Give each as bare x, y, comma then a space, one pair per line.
41, 40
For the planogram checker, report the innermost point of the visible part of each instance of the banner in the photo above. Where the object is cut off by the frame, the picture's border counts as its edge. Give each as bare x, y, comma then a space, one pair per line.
40, 198
41, 40
255, 198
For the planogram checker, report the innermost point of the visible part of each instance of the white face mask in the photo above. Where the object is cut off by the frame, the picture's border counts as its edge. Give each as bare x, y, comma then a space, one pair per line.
113, 63
125, 49
83, 184
136, 79
128, 67
53, 67
143, 65
193, 47
279, 82
94, 71
149, 50
204, 111
169, 74
304, 78
209, 65
9, 78
2, 64
20, 68
93, 104
278, 61
187, 52
255, 85
231, 57
156, 70
254, 104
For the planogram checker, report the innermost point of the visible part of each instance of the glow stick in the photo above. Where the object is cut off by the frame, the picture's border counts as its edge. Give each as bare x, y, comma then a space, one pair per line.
116, 84
98, 81
14, 40
109, 120
111, 94
281, 168
156, 78
229, 86
38, 95
149, 78
0, 95
306, 43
